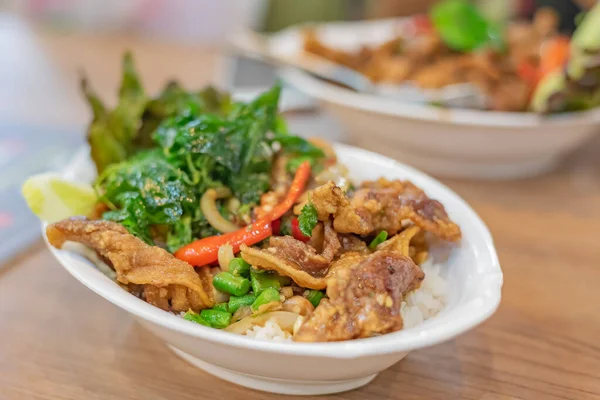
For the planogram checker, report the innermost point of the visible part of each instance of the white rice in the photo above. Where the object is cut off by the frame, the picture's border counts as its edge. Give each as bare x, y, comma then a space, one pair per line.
271, 331
427, 300
418, 305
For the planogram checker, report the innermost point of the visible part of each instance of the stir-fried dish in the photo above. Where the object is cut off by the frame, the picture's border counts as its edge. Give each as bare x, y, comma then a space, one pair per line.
518, 66
210, 209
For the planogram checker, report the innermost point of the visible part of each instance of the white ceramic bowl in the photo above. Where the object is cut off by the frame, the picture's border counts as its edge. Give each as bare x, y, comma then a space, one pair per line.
443, 142
472, 271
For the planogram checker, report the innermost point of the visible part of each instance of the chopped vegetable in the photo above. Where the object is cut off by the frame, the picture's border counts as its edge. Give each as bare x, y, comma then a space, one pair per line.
576, 87
235, 285
261, 280
314, 296
239, 267
216, 319
297, 232
268, 295
307, 220
222, 307
147, 190
236, 302
296, 188
204, 251
529, 73
554, 55
111, 134
462, 27
283, 280
276, 225
380, 238
197, 318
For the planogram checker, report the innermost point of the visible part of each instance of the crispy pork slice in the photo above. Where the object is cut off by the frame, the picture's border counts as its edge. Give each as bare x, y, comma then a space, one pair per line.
166, 279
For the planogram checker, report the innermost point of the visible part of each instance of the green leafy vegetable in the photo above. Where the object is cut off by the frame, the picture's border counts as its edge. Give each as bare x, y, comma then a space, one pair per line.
308, 219
156, 156
462, 27
180, 234
111, 133
380, 238
147, 190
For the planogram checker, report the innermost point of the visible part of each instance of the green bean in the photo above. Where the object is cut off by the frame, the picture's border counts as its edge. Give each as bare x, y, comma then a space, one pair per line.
216, 319
221, 307
193, 317
314, 296
262, 280
235, 303
267, 296
283, 280
239, 267
380, 238
235, 285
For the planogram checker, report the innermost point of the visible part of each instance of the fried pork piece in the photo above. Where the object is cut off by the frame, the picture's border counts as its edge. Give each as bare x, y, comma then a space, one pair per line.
352, 243
298, 260
383, 206
364, 300
169, 283
330, 200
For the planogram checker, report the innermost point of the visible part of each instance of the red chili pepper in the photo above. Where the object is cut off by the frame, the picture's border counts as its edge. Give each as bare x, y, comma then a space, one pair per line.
297, 233
276, 225
205, 251
296, 188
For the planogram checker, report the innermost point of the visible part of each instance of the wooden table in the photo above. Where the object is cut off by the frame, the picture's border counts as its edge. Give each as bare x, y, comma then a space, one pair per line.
58, 340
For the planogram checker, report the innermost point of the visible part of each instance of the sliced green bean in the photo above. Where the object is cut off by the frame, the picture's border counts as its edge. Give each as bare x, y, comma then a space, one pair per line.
262, 280
216, 319
235, 303
267, 296
221, 307
197, 318
235, 285
314, 296
239, 267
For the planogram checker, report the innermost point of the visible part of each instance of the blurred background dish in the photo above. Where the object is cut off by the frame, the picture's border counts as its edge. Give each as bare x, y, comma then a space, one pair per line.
423, 118
448, 142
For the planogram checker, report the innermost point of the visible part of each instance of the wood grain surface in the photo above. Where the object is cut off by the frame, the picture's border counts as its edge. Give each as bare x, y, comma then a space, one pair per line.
59, 340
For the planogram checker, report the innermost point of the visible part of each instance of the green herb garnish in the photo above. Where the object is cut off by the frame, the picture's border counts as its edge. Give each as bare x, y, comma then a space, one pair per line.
308, 219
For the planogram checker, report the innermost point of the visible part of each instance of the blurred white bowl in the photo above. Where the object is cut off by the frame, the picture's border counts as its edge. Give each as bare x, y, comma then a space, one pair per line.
445, 142
474, 289
452, 142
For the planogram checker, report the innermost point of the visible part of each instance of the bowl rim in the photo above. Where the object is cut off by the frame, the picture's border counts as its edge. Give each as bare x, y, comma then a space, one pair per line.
382, 105
480, 307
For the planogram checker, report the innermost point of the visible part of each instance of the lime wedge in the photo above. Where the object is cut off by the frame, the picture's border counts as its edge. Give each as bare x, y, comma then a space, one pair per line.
52, 198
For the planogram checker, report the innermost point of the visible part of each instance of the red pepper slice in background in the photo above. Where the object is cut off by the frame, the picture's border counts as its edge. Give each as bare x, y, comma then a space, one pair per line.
418, 25
554, 54
297, 233
204, 251
529, 73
